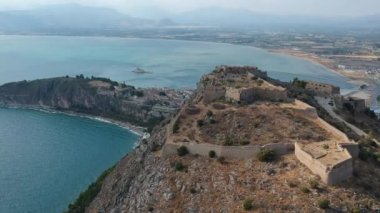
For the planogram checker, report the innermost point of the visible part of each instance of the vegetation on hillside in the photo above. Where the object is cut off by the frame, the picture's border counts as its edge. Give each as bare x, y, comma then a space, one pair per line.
86, 197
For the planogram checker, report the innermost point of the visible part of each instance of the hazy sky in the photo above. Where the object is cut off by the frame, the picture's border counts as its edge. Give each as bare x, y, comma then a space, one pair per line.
309, 7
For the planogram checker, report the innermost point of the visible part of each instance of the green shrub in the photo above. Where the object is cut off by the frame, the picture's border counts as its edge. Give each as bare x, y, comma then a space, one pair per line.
212, 154
193, 191
376, 155
150, 209
212, 121
176, 126
305, 190
209, 113
247, 205
182, 151
178, 166
324, 204
200, 123
292, 183
364, 154
244, 142
266, 155
228, 141
313, 184
86, 197
325, 146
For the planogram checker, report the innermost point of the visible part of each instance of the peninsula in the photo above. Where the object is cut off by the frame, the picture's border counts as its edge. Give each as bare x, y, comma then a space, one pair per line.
96, 96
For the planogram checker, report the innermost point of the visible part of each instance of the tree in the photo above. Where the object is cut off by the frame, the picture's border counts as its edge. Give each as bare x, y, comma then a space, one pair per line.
182, 151
298, 83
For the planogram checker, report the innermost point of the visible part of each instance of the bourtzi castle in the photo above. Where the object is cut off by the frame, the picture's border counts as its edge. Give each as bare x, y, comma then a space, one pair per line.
237, 113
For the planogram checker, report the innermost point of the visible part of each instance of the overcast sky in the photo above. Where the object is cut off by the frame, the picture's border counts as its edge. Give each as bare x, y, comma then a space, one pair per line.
309, 7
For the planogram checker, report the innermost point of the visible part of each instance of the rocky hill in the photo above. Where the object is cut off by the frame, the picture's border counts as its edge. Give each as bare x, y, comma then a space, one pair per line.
93, 96
152, 179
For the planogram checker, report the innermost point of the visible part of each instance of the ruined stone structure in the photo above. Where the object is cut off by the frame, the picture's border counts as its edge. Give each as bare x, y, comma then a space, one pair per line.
245, 95
331, 158
213, 93
249, 95
322, 89
357, 105
239, 84
232, 152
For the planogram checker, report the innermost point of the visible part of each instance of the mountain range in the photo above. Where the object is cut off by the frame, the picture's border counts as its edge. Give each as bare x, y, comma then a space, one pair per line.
78, 17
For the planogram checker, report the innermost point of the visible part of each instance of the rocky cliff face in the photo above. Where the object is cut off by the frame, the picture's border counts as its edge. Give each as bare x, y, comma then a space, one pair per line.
95, 96
130, 186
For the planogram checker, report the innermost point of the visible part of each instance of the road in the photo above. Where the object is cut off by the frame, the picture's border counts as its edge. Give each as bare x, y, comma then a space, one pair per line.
324, 102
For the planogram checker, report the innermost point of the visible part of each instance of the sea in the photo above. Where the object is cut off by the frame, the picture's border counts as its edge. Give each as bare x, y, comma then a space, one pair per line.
47, 159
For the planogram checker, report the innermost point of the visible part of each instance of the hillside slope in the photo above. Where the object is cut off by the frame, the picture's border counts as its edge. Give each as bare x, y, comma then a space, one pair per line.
150, 180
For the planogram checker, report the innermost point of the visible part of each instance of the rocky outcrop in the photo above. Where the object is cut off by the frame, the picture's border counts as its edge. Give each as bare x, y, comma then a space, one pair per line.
130, 186
96, 96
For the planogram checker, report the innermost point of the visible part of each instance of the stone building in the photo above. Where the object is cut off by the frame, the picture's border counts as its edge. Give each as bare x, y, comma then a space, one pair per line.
249, 95
245, 95
322, 89
213, 93
329, 159
354, 104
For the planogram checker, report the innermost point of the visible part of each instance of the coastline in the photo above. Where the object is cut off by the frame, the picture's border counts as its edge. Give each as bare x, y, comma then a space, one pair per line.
327, 63
357, 78
137, 130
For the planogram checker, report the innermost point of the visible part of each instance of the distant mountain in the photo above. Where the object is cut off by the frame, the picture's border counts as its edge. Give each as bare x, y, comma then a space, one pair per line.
244, 18
76, 19
71, 17
223, 17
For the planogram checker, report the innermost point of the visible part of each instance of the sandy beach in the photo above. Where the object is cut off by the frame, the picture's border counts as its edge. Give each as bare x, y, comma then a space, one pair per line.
357, 78
328, 63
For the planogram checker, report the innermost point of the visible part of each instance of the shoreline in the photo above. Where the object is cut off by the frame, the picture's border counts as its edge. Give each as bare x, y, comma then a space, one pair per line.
355, 77
137, 130
324, 62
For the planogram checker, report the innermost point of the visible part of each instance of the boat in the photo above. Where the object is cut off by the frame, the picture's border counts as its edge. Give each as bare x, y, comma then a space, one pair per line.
138, 70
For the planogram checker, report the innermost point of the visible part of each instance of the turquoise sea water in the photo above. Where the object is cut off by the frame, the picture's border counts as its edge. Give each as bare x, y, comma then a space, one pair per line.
173, 63
47, 159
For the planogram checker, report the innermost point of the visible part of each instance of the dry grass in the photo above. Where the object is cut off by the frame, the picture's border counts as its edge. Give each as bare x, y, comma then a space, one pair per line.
208, 185
259, 124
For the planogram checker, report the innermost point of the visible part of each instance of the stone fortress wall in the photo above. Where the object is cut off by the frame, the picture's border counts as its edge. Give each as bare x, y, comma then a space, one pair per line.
231, 152
332, 159
248, 95
322, 89
330, 174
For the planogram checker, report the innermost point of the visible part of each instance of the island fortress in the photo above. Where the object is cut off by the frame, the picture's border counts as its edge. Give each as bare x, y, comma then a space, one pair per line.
237, 113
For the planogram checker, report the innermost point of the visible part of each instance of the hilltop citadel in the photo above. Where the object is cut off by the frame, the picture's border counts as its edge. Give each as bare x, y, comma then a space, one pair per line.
237, 114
